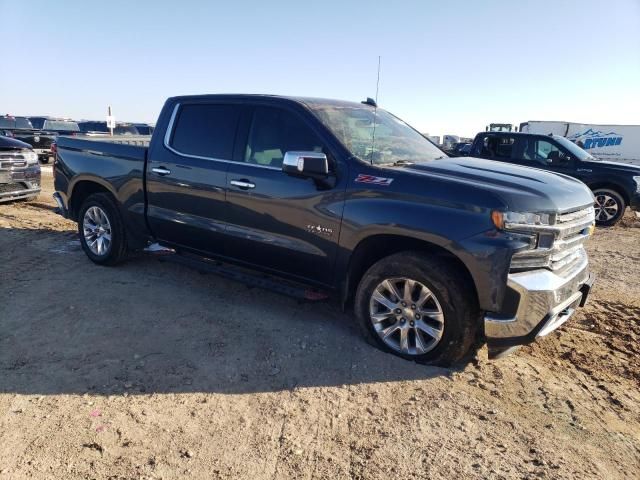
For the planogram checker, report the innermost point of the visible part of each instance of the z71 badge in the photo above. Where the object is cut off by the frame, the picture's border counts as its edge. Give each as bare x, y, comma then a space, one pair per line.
385, 182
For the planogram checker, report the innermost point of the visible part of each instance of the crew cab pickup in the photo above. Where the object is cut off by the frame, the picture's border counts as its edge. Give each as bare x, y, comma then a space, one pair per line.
615, 185
432, 253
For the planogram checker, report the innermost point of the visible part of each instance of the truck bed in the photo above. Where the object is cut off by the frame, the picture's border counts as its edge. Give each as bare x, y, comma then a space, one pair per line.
115, 168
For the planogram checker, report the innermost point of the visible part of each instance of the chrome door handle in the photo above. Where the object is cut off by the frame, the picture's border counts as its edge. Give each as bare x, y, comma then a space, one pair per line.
161, 171
244, 184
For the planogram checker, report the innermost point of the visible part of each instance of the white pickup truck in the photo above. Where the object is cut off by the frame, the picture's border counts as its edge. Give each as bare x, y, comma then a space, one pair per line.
618, 143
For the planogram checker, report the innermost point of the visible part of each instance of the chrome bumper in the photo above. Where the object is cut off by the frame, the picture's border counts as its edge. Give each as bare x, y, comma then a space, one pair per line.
19, 194
541, 301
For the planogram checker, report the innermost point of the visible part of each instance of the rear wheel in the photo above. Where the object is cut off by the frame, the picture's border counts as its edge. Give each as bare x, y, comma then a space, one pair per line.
609, 207
412, 305
101, 230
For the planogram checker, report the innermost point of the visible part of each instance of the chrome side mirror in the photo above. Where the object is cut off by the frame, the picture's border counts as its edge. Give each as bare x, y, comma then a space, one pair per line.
306, 165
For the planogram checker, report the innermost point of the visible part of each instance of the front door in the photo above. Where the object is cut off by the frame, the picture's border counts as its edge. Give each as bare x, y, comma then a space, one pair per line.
541, 152
186, 177
275, 221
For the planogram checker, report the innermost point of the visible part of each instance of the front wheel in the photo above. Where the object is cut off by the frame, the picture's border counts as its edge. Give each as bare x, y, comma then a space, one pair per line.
101, 230
414, 305
609, 207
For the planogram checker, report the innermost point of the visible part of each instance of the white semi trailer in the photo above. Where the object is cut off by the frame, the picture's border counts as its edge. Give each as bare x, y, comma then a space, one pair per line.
619, 143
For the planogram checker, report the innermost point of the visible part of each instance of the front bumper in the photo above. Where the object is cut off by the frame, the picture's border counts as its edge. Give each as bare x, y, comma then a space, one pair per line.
537, 303
18, 184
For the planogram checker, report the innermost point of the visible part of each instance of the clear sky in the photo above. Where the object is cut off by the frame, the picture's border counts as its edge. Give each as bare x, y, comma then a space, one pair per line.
447, 66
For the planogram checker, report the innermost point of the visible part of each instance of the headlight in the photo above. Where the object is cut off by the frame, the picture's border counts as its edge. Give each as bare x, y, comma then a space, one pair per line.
31, 158
514, 220
637, 180
527, 228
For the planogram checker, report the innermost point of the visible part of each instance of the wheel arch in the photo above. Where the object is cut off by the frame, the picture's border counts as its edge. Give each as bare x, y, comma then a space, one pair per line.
81, 189
375, 247
611, 186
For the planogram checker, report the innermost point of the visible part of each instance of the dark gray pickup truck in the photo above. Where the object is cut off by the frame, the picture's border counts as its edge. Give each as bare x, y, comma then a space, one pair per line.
434, 254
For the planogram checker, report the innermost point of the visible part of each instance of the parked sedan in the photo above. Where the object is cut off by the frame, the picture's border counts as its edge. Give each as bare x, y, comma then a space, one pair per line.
19, 170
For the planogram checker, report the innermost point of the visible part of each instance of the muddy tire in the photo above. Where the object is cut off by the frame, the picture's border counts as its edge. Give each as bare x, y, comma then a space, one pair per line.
419, 307
101, 230
609, 205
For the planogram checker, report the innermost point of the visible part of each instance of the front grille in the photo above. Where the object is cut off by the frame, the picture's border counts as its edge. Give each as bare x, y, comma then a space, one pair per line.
9, 160
573, 223
573, 232
11, 187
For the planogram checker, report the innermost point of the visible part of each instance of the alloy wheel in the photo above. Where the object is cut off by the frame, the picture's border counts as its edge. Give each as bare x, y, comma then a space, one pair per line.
97, 230
606, 207
406, 315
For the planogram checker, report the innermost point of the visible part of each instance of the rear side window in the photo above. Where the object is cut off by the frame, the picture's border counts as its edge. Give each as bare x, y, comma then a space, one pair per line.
206, 130
273, 133
498, 147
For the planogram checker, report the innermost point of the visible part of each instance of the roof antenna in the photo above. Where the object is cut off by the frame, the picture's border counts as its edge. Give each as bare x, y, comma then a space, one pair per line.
375, 113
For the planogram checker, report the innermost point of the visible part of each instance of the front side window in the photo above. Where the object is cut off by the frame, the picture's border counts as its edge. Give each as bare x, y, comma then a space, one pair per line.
274, 132
540, 151
375, 135
205, 130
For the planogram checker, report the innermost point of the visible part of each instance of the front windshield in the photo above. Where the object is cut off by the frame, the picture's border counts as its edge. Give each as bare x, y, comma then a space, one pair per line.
37, 122
19, 123
392, 141
574, 149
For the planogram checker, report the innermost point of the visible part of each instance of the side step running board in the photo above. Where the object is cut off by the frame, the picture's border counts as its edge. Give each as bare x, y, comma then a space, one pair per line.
249, 278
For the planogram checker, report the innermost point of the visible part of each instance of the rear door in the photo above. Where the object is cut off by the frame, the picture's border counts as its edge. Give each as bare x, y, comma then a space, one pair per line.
186, 176
495, 147
275, 221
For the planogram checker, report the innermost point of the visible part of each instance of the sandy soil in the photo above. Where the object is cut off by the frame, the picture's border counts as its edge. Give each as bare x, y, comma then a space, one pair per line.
152, 370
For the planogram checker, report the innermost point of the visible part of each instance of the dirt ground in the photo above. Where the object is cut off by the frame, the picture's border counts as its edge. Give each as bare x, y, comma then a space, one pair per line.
153, 370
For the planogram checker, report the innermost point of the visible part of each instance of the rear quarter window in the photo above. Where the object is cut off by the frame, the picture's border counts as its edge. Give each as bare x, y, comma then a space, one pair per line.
205, 130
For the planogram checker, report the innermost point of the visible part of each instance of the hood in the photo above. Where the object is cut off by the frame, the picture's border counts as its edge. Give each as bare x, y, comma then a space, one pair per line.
12, 143
524, 189
607, 165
